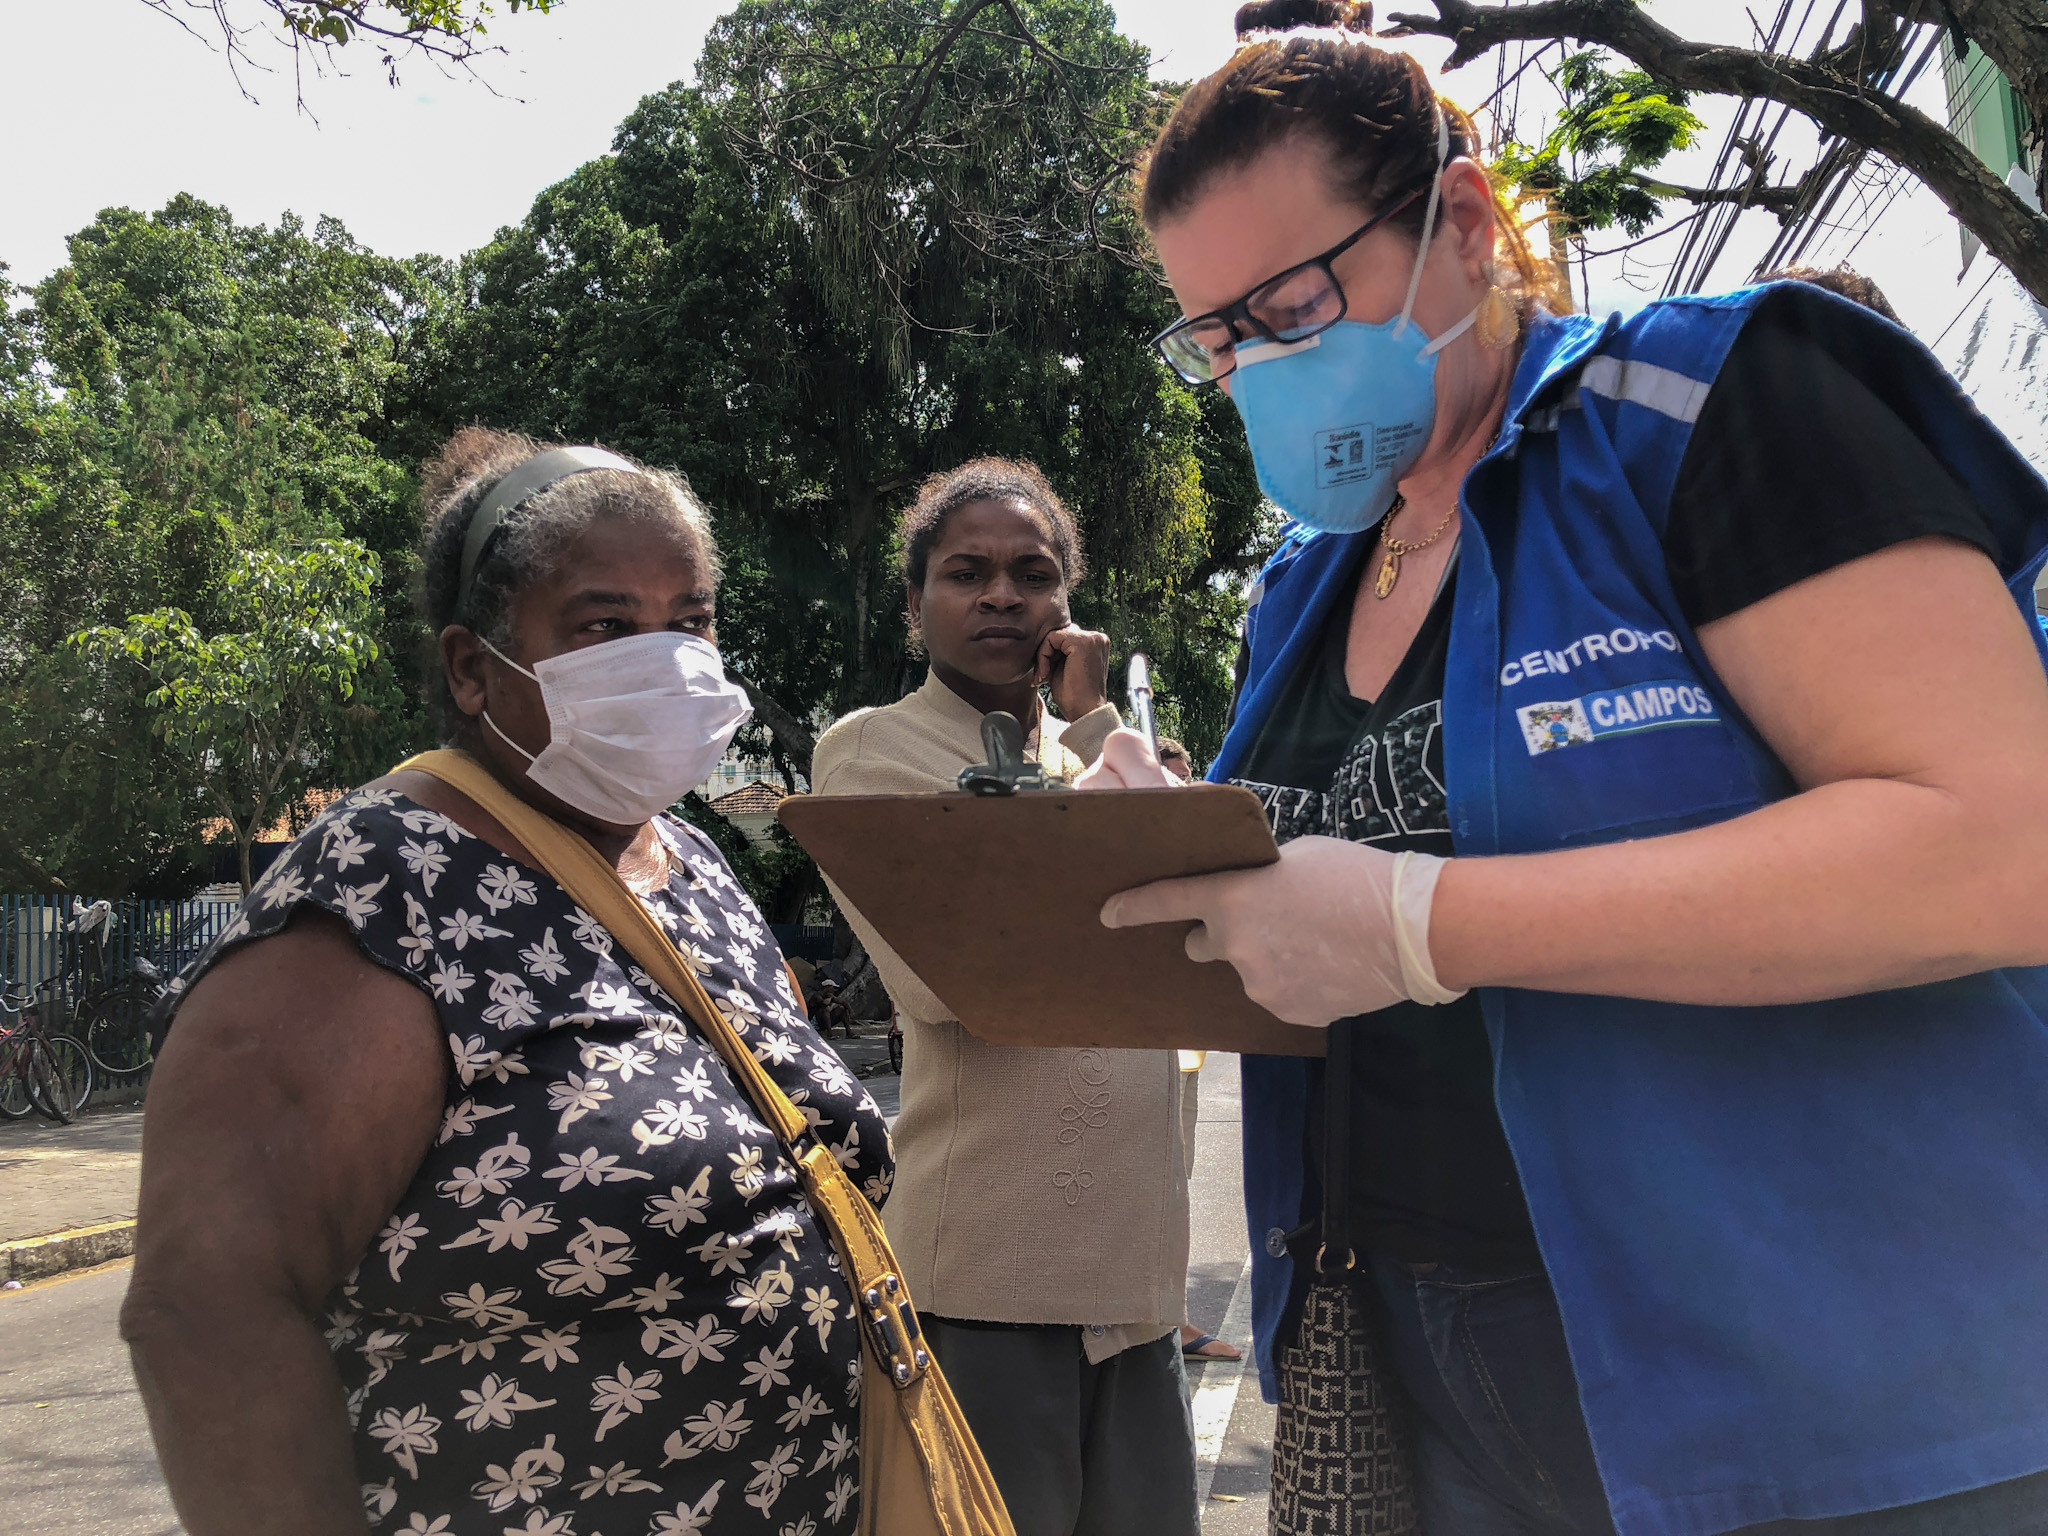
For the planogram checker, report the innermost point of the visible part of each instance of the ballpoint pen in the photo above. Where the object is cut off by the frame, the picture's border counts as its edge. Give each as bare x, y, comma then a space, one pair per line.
1139, 686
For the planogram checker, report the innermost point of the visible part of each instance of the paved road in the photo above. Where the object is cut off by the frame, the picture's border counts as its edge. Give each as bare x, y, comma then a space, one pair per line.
75, 1458
74, 1450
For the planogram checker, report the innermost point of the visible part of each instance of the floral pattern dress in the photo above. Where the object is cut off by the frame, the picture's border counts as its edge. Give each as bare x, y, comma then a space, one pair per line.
603, 1307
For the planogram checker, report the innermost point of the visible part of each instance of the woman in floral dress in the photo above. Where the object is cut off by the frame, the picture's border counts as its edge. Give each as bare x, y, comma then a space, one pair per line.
452, 1219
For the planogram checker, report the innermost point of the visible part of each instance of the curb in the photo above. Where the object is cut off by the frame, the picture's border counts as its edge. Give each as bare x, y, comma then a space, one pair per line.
38, 1258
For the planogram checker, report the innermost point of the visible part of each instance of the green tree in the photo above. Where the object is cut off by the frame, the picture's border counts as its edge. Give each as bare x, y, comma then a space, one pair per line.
184, 390
808, 346
90, 806
1612, 128
1851, 85
252, 710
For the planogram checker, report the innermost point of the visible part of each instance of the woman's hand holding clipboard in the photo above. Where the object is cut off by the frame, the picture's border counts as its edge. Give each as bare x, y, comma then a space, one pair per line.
1334, 929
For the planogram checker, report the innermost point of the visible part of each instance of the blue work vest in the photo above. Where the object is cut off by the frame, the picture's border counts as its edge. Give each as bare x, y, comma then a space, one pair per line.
1801, 1252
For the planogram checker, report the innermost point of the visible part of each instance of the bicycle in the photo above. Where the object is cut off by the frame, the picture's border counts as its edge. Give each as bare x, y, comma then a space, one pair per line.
111, 1013
40, 1069
115, 1021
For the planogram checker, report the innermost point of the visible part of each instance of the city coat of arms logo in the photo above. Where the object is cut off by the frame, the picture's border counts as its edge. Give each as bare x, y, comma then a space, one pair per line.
1547, 727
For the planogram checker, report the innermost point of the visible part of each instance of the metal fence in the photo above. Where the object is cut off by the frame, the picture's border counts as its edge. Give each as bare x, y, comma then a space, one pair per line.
804, 941
39, 940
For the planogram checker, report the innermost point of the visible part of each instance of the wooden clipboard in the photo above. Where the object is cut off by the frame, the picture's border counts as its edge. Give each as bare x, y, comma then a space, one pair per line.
994, 901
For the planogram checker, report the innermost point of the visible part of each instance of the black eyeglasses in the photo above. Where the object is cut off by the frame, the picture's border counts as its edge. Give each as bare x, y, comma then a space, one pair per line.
1299, 303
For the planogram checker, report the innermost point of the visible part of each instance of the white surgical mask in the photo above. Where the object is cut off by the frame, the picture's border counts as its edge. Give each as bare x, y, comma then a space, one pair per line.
635, 724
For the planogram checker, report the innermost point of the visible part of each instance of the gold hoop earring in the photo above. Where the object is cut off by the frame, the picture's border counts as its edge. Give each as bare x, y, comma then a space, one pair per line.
1499, 324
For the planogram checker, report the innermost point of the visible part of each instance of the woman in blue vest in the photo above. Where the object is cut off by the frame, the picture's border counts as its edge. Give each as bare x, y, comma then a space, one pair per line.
1658, 735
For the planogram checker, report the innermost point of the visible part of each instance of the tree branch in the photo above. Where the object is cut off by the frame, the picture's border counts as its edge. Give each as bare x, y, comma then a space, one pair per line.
1782, 201
2013, 233
318, 28
2013, 35
790, 733
14, 857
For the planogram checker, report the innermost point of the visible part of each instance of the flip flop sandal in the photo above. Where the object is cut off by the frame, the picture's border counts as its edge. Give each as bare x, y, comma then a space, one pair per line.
1198, 1349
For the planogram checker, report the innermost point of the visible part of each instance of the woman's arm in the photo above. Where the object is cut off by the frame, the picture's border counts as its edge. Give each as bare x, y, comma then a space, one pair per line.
1905, 696
286, 1117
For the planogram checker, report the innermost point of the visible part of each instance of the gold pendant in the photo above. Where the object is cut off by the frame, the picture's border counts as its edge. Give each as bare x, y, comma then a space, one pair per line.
1390, 572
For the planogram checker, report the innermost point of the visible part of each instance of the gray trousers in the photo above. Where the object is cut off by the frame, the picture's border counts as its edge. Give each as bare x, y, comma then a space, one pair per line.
1077, 1449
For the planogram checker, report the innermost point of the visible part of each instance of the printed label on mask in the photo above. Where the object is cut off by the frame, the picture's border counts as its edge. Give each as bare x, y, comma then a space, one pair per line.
1344, 455
1616, 712
1349, 455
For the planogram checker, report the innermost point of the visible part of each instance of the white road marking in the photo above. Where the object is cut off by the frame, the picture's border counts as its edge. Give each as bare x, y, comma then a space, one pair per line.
1216, 1397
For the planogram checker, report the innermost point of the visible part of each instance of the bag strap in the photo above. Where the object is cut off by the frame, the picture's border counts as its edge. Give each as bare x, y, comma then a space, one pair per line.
885, 1307
594, 885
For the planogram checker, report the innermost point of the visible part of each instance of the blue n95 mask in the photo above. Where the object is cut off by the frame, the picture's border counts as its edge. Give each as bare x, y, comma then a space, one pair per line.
1336, 419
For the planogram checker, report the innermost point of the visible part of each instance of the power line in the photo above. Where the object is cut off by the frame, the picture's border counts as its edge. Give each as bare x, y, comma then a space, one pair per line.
1839, 161
1972, 304
1718, 219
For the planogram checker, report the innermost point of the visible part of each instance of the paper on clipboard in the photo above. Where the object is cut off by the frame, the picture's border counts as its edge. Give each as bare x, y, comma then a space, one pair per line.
994, 901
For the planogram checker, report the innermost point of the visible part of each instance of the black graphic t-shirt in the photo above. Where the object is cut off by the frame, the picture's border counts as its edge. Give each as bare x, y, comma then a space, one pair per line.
1431, 1174
1795, 466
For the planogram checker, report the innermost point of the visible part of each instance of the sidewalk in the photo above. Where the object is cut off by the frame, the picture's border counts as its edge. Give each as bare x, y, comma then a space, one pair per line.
67, 1192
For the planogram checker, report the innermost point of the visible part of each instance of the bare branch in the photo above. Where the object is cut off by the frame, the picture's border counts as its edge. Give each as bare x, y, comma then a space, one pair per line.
790, 733
1849, 108
317, 31
1783, 201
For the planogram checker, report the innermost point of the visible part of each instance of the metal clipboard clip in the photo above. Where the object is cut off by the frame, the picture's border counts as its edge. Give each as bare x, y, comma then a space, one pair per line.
1005, 772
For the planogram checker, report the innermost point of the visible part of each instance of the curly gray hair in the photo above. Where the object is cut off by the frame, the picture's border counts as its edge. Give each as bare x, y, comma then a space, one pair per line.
530, 542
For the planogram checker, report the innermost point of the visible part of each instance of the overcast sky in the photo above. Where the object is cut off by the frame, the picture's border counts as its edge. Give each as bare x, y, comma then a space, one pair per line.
109, 103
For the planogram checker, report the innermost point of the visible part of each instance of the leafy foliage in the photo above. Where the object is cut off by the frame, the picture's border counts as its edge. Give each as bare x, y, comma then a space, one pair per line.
808, 312
184, 391
449, 31
253, 709
783, 281
1612, 127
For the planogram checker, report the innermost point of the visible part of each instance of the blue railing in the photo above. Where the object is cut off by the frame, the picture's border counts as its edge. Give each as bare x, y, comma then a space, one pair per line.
804, 941
38, 942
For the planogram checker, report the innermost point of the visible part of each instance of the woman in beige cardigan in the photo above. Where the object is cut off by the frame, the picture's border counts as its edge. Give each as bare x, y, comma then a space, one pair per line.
1040, 1206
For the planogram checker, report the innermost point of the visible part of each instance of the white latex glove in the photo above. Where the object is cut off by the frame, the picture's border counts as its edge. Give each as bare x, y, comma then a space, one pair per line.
1335, 928
1127, 763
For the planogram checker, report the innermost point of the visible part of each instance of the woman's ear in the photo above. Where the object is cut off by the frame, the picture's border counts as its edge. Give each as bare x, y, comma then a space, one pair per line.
913, 603
462, 663
1469, 214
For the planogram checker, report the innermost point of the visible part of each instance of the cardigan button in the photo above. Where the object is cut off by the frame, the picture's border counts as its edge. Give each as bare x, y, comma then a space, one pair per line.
1276, 1242
1097, 1329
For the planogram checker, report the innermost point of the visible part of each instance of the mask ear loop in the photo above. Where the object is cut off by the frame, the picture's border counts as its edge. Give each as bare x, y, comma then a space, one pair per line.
1436, 186
495, 727
522, 671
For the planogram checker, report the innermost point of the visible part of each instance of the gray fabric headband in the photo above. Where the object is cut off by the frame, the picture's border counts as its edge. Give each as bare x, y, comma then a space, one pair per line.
519, 486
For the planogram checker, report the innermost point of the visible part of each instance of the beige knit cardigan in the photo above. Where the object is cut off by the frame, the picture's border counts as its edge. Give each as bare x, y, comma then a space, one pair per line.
1032, 1185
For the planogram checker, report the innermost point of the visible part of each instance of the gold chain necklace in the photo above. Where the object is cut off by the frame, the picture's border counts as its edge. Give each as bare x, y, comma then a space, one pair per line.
1390, 568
